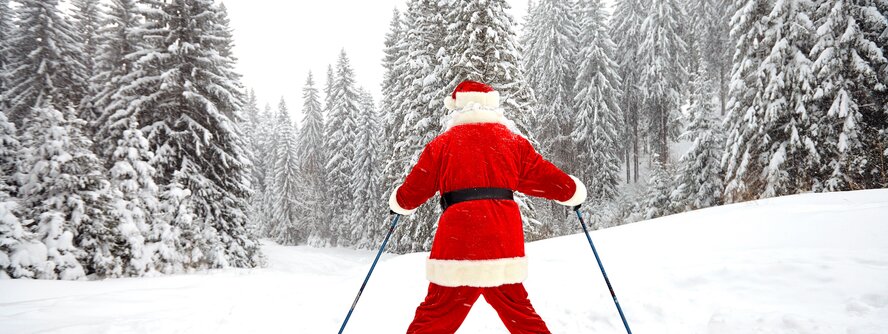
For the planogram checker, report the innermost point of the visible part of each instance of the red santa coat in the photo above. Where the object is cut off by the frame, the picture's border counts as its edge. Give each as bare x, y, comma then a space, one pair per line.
480, 243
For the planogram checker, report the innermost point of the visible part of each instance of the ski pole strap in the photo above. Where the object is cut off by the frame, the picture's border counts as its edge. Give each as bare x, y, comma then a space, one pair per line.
472, 194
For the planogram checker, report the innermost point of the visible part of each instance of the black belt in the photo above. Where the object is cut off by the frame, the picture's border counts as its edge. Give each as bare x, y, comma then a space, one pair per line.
471, 194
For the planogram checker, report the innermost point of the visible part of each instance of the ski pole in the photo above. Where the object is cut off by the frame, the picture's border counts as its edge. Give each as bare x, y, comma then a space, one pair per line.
606, 280
355, 303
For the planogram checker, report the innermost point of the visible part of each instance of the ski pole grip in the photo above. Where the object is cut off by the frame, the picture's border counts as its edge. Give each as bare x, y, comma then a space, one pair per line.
577, 208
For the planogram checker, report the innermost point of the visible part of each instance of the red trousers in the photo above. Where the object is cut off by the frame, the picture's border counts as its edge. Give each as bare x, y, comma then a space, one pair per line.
445, 308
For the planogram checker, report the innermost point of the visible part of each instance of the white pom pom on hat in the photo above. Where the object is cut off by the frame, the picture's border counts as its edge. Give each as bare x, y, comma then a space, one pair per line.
468, 92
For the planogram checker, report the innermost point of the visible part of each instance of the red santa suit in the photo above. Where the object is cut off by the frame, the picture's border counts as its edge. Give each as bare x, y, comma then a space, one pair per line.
479, 244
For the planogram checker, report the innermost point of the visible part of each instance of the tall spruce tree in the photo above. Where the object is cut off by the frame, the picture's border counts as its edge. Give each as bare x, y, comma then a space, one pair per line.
44, 64
849, 93
87, 21
341, 146
550, 63
699, 179
626, 30
598, 116
287, 208
312, 161
772, 148
120, 46
365, 181
662, 53
188, 100
6, 30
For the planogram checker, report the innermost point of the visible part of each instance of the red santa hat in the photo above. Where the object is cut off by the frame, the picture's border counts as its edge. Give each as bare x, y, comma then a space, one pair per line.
468, 92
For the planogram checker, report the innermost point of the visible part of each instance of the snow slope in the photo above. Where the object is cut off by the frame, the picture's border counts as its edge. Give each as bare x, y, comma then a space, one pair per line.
815, 263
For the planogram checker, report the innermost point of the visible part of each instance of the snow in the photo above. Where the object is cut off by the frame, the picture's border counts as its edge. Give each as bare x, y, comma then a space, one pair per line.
813, 263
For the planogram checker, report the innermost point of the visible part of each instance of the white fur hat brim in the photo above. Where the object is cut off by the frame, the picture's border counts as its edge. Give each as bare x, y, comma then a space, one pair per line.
487, 100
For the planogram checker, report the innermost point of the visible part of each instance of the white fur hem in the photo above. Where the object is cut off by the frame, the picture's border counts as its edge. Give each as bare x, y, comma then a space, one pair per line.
579, 195
477, 273
463, 99
476, 114
393, 204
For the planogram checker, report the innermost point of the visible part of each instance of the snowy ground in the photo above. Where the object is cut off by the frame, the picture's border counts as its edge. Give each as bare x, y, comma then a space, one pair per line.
803, 264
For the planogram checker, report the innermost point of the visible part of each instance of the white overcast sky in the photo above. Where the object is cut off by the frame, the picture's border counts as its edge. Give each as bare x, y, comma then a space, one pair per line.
279, 41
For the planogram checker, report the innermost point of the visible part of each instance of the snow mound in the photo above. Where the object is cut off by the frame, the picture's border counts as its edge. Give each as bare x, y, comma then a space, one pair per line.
813, 263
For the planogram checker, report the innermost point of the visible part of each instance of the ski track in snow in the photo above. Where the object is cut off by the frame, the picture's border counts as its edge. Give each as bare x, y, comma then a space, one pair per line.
815, 263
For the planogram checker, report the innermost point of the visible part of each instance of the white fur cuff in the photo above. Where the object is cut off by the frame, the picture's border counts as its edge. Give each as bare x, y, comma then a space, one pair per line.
477, 273
579, 196
393, 204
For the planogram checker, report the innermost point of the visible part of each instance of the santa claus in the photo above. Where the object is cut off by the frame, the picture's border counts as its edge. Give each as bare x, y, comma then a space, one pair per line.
476, 165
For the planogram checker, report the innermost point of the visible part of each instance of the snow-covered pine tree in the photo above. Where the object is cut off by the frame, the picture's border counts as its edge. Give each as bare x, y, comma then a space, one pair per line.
10, 147
365, 181
598, 115
312, 161
65, 197
186, 98
714, 43
657, 202
120, 45
6, 30
482, 46
771, 145
287, 210
662, 53
395, 51
550, 65
87, 21
250, 125
626, 30
44, 61
341, 146
267, 139
16, 244
847, 60
699, 179
178, 227
220, 38
136, 204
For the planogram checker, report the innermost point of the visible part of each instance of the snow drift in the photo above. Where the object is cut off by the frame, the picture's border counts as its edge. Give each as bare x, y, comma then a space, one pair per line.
814, 263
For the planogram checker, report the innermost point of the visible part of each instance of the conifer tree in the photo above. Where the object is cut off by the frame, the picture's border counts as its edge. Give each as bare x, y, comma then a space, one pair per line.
365, 182
6, 30
65, 197
657, 200
119, 49
626, 30
771, 143
312, 160
188, 104
662, 52
341, 146
43, 61
847, 93
699, 182
287, 209
598, 116
137, 205
550, 64
87, 22
16, 243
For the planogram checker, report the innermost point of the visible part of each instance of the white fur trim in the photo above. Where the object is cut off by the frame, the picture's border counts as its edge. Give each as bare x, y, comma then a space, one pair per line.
579, 196
463, 99
477, 273
393, 204
476, 114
